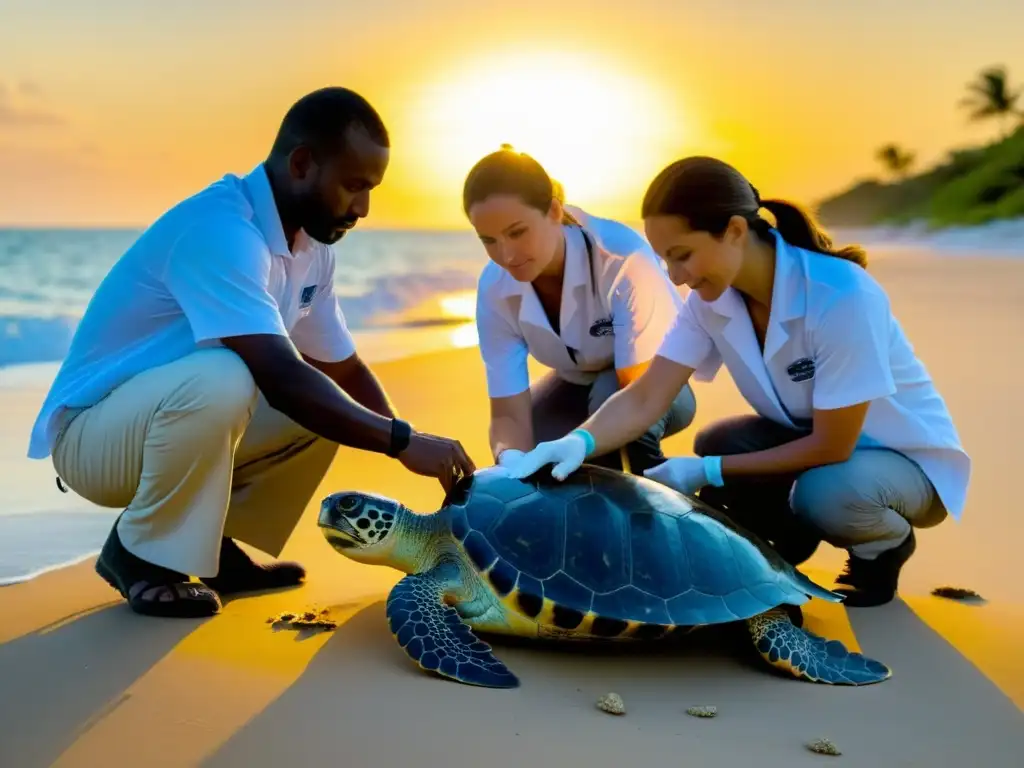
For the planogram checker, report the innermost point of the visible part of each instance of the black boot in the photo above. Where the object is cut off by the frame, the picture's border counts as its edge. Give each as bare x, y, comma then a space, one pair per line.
874, 582
239, 573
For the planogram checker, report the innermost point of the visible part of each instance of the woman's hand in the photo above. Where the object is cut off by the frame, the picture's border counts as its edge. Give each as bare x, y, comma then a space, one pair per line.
566, 453
622, 418
688, 474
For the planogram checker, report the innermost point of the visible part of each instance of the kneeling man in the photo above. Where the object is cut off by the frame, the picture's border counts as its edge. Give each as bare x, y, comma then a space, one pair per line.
212, 378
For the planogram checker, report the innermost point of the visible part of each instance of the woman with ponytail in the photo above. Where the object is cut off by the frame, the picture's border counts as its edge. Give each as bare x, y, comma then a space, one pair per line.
849, 441
582, 295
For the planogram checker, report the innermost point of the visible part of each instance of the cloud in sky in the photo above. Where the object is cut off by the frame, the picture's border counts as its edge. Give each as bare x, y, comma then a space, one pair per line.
23, 105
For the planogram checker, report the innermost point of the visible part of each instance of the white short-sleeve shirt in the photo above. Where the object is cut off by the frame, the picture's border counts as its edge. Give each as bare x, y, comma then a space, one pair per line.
215, 265
832, 341
617, 304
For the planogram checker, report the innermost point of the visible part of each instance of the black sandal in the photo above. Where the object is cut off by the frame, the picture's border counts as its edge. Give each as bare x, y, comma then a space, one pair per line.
240, 573
151, 589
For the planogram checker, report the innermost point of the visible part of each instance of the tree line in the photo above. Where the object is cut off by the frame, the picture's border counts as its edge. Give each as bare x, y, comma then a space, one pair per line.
989, 97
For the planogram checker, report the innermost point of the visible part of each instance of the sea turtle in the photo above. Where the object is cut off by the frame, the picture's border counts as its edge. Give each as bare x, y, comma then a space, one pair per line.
602, 555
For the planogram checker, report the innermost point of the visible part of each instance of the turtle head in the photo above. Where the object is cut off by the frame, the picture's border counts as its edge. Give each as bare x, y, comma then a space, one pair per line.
362, 526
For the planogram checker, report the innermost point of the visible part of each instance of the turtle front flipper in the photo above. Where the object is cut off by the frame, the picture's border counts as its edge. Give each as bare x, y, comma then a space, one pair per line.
434, 635
809, 657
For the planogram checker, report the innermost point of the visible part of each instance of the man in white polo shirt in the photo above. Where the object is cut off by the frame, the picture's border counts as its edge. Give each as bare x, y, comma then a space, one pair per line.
212, 377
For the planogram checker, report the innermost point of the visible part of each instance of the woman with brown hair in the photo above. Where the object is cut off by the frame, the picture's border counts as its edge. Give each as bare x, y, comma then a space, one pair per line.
849, 441
583, 295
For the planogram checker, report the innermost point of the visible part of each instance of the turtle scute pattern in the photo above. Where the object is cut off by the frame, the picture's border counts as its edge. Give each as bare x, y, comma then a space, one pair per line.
607, 555
434, 635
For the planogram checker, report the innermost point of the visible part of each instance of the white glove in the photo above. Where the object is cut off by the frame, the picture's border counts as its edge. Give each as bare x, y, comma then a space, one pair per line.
509, 459
688, 474
567, 454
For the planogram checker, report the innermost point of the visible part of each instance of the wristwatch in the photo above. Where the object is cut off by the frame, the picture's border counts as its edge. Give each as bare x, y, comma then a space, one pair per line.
401, 434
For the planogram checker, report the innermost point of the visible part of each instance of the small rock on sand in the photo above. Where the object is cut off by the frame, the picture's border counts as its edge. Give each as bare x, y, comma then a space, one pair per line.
702, 711
823, 747
612, 703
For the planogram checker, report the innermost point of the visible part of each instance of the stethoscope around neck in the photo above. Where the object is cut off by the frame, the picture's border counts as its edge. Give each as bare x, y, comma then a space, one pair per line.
593, 282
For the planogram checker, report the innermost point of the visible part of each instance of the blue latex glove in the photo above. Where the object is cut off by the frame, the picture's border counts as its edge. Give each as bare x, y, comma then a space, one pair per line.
688, 474
567, 454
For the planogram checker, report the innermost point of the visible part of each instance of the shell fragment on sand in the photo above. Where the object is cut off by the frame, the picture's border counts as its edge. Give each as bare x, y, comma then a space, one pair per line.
823, 747
702, 711
612, 704
308, 619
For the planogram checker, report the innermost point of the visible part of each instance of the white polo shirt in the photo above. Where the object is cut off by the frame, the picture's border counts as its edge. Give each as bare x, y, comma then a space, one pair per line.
832, 341
616, 307
217, 264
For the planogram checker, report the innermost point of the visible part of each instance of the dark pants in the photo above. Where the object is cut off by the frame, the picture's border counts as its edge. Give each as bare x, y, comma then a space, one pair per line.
560, 407
866, 504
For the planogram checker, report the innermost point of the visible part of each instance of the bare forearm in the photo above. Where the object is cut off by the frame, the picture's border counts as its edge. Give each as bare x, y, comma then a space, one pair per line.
365, 388
796, 456
632, 410
313, 400
621, 419
511, 425
507, 432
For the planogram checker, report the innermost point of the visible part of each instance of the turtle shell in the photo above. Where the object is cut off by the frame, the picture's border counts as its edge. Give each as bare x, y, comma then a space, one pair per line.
607, 553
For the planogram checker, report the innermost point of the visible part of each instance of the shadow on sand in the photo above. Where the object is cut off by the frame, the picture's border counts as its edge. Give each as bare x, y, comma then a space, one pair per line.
362, 702
58, 681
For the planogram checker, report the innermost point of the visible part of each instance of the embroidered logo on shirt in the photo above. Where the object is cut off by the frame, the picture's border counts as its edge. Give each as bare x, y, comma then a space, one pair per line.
602, 328
306, 298
801, 370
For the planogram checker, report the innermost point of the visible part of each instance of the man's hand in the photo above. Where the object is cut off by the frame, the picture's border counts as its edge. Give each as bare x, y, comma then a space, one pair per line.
439, 457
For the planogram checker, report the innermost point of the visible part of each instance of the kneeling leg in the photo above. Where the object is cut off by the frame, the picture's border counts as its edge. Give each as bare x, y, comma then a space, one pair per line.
869, 505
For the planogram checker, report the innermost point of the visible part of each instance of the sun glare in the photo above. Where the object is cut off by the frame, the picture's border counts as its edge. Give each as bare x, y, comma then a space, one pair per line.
458, 306
597, 128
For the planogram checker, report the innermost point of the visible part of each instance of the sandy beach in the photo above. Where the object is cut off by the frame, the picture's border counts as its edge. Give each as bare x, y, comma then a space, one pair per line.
85, 682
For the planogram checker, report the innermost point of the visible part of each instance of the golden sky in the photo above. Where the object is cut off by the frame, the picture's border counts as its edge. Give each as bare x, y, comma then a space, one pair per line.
113, 110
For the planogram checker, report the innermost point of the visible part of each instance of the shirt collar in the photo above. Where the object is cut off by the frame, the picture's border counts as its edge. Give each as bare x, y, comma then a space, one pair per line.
268, 219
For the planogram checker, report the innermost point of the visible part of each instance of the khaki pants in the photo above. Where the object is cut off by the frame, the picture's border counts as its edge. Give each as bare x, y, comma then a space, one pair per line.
192, 452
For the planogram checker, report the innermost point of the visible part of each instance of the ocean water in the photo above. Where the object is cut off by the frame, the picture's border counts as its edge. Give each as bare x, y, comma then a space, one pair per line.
402, 292
48, 276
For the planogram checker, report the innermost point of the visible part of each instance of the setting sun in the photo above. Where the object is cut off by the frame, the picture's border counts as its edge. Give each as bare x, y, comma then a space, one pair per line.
598, 128
457, 306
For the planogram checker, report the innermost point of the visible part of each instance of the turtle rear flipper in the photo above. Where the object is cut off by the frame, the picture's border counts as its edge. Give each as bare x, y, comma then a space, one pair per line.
434, 635
809, 657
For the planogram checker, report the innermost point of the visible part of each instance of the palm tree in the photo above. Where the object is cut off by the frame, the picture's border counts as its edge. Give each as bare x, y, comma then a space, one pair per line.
897, 161
990, 96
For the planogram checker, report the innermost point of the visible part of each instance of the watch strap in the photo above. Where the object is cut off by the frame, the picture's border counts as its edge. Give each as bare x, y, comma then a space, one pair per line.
401, 435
